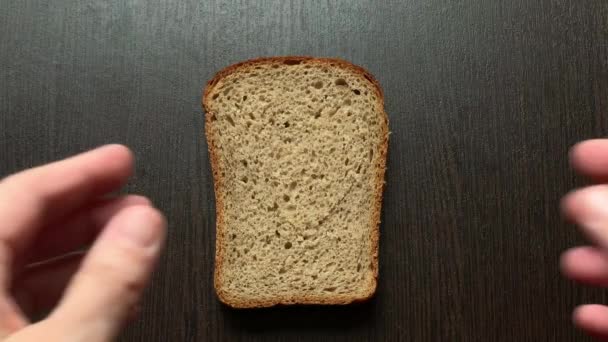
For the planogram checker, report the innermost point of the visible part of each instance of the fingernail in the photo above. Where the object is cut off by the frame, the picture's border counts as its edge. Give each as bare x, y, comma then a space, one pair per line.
141, 227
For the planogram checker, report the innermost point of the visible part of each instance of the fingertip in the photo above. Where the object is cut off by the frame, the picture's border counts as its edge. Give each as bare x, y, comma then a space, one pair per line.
585, 264
576, 151
568, 204
592, 318
118, 156
585, 204
565, 261
118, 149
137, 200
581, 315
590, 157
581, 150
149, 215
141, 225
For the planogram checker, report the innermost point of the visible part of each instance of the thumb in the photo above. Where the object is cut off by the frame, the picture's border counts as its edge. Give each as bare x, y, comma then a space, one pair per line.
112, 276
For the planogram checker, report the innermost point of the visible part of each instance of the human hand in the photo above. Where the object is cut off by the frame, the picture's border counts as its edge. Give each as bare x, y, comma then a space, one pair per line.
588, 207
65, 206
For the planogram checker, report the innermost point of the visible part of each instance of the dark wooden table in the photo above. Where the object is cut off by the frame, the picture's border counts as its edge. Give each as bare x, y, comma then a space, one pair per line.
484, 100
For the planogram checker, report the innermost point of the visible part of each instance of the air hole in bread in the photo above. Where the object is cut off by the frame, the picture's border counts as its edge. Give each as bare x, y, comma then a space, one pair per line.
230, 120
318, 84
286, 198
341, 82
293, 185
357, 91
215, 96
330, 289
274, 207
288, 245
286, 124
244, 179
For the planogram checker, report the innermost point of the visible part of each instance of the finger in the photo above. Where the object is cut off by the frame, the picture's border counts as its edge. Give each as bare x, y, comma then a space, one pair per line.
589, 208
42, 194
113, 275
41, 286
586, 264
593, 319
81, 229
590, 158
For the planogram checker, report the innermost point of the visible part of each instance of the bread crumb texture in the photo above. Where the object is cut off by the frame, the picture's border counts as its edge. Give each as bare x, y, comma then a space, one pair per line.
298, 148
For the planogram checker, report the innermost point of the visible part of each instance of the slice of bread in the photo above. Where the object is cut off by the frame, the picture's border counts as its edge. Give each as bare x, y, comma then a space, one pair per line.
298, 151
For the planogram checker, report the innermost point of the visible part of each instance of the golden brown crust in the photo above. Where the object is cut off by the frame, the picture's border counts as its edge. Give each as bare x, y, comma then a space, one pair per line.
217, 182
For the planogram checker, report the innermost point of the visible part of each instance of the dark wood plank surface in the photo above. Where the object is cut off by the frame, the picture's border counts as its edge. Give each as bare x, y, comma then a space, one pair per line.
484, 100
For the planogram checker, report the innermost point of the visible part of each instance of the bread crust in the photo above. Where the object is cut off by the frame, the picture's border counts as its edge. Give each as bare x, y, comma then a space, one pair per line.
218, 183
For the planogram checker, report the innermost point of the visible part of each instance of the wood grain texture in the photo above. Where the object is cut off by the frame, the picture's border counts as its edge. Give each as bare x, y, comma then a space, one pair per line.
484, 100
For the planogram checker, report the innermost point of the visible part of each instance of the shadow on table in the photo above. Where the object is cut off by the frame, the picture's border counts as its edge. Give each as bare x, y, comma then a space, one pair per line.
297, 318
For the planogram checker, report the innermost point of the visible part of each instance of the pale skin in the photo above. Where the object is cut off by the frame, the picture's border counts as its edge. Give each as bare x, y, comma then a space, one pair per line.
588, 208
63, 207
66, 206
